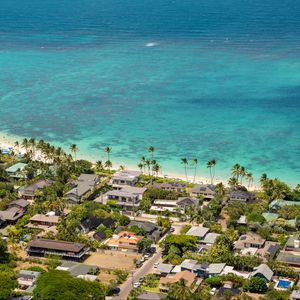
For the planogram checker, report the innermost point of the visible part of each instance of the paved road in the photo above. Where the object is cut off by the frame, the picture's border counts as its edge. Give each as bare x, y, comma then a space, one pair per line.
147, 268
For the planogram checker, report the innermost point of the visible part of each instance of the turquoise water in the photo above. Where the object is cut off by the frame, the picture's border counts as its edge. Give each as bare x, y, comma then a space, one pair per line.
197, 79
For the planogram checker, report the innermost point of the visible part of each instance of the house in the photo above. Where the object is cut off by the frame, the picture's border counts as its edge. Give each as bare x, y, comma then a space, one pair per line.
242, 220
164, 269
27, 280
125, 177
277, 204
169, 186
125, 241
99, 236
215, 269
293, 244
270, 217
252, 244
152, 231
179, 205
263, 271
28, 192
230, 270
197, 231
189, 279
92, 222
207, 191
249, 240
15, 210
66, 250
151, 296
128, 197
295, 295
209, 238
44, 220
78, 269
15, 171
241, 196
84, 184
290, 259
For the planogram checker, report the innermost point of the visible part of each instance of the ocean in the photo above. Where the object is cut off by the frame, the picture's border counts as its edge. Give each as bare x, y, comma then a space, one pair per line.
196, 79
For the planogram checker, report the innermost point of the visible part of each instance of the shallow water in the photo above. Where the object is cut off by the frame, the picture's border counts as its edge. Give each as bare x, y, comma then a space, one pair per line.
197, 79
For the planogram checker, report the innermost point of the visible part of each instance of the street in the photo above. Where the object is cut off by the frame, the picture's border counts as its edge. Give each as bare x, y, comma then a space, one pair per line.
147, 268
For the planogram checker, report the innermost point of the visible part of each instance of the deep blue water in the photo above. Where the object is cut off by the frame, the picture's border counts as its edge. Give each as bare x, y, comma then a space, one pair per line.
207, 79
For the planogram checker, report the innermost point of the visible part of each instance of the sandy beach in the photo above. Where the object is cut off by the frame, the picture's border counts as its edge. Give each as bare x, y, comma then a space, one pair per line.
8, 141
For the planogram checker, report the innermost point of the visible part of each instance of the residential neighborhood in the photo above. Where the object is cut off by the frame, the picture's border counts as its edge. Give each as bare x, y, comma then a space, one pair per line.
139, 236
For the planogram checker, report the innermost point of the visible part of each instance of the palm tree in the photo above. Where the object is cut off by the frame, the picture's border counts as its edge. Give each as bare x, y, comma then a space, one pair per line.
107, 150
156, 168
141, 167
179, 291
220, 189
74, 149
249, 178
242, 173
195, 163
99, 164
185, 162
211, 164
233, 182
235, 171
148, 164
108, 165
151, 150
25, 145
17, 145
32, 144
143, 162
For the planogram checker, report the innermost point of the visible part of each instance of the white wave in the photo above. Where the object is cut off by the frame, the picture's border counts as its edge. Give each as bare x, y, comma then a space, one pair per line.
152, 44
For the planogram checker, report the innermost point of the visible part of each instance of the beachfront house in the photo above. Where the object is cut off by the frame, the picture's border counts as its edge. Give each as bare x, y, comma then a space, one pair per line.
207, 191
179, 205
28, 192
169, 186
277, 204
66, 250
128, 197
241, 196
198, 231
125, 177
16, 170
84, 184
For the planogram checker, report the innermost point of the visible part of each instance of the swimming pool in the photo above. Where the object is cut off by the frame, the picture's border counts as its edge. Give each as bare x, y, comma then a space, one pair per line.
284, 284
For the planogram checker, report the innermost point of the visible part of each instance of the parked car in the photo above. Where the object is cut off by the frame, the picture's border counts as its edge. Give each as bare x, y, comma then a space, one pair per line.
141, 280
155, 265
147, 255
152, 249
172, 229
142, 259
138, 264
136, 285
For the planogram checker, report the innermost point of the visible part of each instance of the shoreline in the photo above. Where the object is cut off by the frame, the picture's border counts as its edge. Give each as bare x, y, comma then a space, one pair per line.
8, 141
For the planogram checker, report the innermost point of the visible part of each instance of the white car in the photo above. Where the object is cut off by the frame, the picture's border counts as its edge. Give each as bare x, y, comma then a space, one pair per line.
136, 285
155, 265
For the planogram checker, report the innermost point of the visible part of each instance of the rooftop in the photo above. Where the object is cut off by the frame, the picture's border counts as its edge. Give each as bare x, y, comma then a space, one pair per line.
14, 168
45, 218
56, 245
198, 231
264, 270
126, 175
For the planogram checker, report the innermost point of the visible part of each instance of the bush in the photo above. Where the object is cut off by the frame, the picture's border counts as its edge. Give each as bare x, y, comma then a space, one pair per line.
214, 282
151, 280
36, 269
255, 285
121, 275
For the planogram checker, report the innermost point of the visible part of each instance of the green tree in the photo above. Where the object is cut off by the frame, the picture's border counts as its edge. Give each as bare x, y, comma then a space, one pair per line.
8, 283
195, 163
179, 291
255, 285
144, 244
60, 285
211, 164
74, 149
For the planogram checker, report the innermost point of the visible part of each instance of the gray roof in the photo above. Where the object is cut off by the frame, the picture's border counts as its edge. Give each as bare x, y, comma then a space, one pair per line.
198, 231
216, 268
210, 238
147, 226
128, 175
164, 268
289, 258
188, 264
20, 202
203, 188
127, 191
91, 178
11, 214
264, 270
